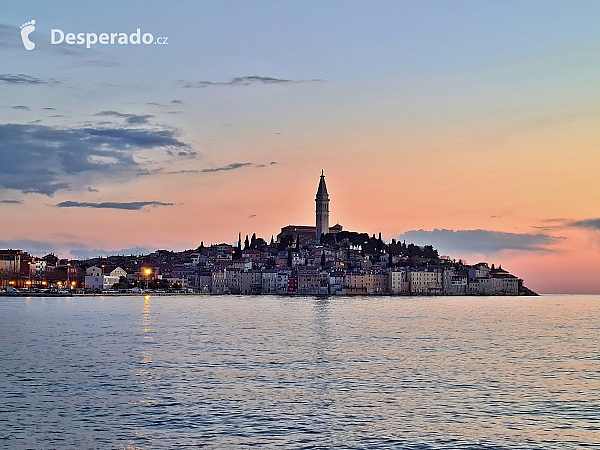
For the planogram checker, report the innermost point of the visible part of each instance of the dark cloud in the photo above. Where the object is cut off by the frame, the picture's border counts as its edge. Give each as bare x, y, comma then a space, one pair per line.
242, 81
251, 216
36, 158
177, 101
131, 119
20, 78
11, 202
232, 166
174, 112
273, 163
91, 189
83, 254
145, 172
479, 241
49, 109
30, 246
130, 206
176, 172
590, 224
21, 107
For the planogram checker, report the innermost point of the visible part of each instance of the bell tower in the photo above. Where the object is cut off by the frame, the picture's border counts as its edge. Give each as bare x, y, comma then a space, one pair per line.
322, 201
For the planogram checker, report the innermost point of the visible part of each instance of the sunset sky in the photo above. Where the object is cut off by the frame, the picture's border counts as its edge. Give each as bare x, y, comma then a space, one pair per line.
470, 125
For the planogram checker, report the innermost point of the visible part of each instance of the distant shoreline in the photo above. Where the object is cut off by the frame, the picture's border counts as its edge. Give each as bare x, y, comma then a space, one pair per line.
179, 294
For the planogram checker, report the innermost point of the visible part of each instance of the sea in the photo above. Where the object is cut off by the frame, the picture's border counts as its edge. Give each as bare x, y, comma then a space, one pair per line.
223, 372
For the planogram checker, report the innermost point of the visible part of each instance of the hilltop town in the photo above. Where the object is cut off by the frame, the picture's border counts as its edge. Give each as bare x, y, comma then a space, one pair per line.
301, 260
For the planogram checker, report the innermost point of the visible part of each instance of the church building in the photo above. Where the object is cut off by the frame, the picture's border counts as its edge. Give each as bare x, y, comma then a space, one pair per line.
308, 233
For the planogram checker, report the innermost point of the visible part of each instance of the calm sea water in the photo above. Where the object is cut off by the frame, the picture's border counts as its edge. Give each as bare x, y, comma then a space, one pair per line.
365, 372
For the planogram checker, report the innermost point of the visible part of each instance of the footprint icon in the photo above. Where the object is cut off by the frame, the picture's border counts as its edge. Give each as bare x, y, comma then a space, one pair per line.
26, 30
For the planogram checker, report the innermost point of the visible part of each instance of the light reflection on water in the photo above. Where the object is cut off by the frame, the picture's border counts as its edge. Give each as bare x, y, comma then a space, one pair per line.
365, 372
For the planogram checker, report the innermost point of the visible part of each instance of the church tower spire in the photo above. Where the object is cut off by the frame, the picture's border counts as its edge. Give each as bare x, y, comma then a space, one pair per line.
322, 201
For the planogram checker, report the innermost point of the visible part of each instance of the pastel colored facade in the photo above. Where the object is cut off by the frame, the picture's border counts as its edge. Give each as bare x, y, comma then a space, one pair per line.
380, 284
312, 282
269, 281
504, 285
359, 283
99, 278
399, 284
337, 282
455, 282
14, 261
100, 282
219, 282
426, 282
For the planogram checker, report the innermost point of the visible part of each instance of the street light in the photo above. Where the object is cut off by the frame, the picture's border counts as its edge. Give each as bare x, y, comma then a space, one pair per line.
148, 272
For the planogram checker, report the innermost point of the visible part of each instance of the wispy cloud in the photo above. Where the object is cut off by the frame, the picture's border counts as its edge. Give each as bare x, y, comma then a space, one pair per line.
480, 241
21, 107
243, 81
131, 119
231, 166
47, 156
23, 79
590, 224
11, 202
130, 206
188, 153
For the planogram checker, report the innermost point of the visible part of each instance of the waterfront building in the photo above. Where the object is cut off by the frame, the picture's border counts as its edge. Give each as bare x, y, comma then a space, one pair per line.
425, 282
380, 283
269, 281
100, 283
455, 282
219, 281
337, 282
359, 283
399, 284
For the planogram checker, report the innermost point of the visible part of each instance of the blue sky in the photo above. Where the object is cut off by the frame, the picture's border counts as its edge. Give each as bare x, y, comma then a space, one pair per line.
470, 116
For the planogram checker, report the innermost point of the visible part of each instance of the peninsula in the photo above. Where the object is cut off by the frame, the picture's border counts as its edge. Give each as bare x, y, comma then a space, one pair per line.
301, 260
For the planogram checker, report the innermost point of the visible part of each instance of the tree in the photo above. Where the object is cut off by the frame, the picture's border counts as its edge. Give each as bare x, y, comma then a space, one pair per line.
246, 243
328, 240
286, 242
